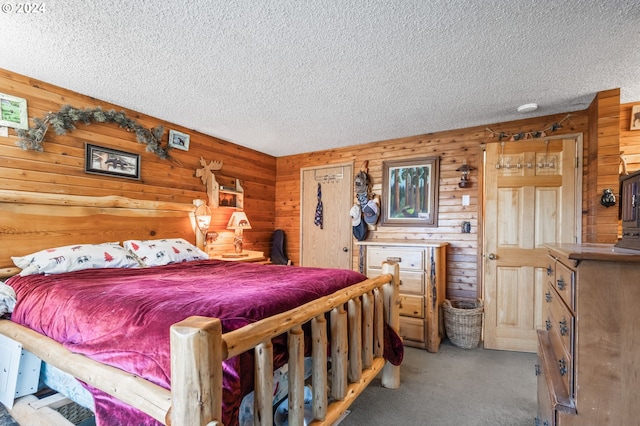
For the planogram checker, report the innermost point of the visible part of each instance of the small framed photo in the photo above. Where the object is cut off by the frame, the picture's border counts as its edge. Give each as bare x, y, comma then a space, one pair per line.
111, 162
635, 117
13, 112
179, 140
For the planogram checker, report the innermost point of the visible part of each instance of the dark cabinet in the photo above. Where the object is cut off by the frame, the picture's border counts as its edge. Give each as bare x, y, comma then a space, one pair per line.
629, 205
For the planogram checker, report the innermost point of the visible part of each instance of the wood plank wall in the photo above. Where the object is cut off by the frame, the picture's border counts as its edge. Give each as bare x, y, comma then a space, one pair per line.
453, 147
60, 168
272, 186
603, 154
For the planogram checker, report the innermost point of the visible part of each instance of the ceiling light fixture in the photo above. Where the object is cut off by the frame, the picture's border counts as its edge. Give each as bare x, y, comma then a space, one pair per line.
523, 109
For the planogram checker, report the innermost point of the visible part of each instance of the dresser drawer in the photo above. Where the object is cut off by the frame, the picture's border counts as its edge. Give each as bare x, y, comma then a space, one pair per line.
407, 259
553, 396
412, 306
546, 413
412, 329
560, 324
565, 283
410, 281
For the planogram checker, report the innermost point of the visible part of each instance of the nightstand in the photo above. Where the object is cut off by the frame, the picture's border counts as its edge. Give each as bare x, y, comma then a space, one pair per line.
245, 256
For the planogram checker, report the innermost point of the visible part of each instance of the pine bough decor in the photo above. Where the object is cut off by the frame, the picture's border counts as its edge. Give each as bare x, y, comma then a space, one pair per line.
65, 119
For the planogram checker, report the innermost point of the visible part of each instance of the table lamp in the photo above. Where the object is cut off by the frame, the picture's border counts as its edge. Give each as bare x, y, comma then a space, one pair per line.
238, 222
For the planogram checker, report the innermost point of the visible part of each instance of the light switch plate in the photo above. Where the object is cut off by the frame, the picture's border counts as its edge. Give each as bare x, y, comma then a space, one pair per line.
465, 200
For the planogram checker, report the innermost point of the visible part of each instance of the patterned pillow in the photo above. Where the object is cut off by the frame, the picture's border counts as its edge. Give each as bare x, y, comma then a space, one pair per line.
75, 258
165, 251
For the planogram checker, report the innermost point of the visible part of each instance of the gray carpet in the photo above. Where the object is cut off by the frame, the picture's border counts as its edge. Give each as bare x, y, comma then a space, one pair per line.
464, 387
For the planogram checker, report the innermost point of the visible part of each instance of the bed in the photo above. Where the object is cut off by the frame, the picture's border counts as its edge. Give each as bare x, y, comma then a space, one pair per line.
341, 324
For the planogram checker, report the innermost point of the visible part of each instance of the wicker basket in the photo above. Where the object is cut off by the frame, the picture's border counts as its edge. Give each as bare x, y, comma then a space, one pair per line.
463, 322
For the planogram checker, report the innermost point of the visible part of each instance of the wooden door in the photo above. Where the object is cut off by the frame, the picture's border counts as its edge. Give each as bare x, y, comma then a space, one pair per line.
331, 245
532, 197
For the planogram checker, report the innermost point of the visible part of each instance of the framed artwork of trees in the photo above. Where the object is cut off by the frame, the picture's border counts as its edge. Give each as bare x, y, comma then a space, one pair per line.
410, 192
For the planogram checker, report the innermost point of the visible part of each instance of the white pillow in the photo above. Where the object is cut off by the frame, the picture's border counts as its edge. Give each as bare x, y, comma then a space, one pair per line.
75, 258
165, 251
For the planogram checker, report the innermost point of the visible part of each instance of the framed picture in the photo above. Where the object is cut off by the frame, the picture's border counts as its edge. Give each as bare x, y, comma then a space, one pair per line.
111, 162
179, 140
635, 117
226, 199
13, 112
410, 192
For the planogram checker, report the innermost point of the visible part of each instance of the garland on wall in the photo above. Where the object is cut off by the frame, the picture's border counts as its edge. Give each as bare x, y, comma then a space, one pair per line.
529, 135
65, 119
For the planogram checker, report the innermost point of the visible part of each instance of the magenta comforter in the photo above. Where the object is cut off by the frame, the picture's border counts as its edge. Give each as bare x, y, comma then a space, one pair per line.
121, 317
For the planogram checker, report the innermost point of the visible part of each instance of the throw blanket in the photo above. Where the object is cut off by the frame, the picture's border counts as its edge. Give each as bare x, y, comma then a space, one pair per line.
121, 317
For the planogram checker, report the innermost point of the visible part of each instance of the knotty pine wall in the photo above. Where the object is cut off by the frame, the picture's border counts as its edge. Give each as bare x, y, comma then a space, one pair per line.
272, 186
453, 147
60, 168
600, 224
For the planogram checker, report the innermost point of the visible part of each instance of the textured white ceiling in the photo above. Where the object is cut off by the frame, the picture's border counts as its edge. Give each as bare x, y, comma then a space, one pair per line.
293, 76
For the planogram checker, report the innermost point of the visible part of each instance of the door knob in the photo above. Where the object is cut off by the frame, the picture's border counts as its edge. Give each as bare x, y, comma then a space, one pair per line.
344, 249
492, 256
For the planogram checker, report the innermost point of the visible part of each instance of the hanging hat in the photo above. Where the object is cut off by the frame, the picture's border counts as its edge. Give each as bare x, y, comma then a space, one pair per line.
355, 215
360, 231
362, 183
371, 212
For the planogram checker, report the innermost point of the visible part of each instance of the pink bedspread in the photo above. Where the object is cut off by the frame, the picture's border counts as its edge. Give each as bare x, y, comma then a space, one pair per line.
121, 317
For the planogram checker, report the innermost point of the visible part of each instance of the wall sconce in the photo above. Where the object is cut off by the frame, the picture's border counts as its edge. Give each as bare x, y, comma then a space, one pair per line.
464, 174
202, 215
238, 222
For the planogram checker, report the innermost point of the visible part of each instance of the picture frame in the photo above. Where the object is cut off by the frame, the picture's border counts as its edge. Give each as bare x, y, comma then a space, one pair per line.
111, 162
13, 112
179, 140
410, 191
635, 118
227, 199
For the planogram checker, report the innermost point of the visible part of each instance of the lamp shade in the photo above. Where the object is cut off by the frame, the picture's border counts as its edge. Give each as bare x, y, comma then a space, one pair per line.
238, 220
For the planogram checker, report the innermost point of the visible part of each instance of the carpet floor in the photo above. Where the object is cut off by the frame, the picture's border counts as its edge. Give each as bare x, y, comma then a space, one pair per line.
455, 386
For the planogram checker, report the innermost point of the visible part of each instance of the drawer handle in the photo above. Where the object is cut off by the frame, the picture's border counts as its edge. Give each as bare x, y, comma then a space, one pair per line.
548, 322
394, 259
547, 296
563, 327
562, 365
399, 282
546, 423
561, 284
549, 270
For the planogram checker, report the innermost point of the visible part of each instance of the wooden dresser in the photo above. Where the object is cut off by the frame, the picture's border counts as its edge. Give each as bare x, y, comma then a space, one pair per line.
423, 282
589, 350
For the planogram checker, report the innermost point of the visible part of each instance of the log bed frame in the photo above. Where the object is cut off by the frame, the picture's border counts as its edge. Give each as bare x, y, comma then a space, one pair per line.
33, 221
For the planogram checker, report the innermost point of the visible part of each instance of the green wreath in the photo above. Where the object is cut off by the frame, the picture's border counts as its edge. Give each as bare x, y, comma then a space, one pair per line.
65, 119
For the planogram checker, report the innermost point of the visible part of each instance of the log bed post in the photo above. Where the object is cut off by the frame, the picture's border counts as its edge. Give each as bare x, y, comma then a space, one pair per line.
367, 330
263, 384
319, 373
391, 291
196, 372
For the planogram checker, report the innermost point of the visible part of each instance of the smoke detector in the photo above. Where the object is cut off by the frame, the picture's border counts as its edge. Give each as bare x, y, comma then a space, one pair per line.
523, 109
